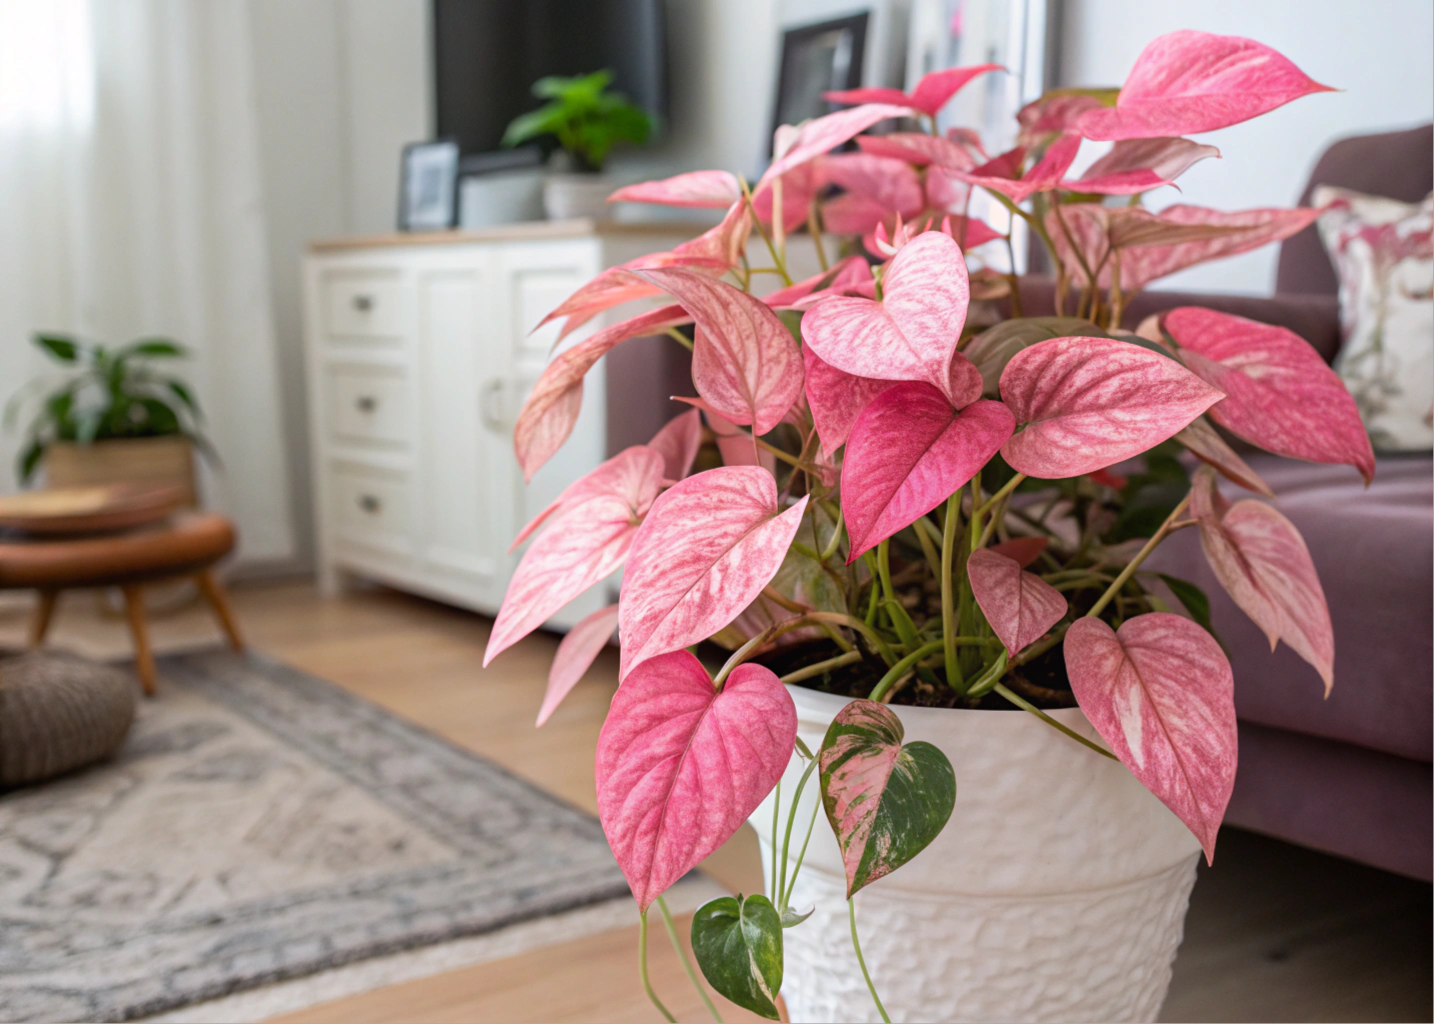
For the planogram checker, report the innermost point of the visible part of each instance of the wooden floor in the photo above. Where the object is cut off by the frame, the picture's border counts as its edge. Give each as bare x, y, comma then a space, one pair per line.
1274, 932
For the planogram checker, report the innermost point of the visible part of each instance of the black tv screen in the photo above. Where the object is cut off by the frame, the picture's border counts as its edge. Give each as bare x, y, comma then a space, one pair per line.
488, 53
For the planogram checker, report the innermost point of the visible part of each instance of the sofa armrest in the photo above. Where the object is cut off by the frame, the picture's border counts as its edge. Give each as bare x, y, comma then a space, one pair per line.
1313, 317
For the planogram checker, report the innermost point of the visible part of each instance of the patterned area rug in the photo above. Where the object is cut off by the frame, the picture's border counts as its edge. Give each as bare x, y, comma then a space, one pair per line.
261, 824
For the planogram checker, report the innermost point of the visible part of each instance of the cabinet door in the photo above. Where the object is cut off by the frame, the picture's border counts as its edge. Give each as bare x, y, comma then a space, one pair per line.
533, 278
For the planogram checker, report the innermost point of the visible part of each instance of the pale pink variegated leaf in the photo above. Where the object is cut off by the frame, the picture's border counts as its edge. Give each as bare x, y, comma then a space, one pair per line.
1057, 112
1188, 82
800, 186
733, 443
678, 442
837, 398
718, 247
628, 475
1019, 605
909, 450
1003, 174
1138, 165
680, 767
613, 287
1262, 562
912, 333
584, 546
706, 189
876, 187
1160, 693
918, 149
707, 548
844, 274
821, 135
1279, 394
1089, 403
931, 93
1209, 447
868, 94
1023, 550
552, 407
575, 655
745, 362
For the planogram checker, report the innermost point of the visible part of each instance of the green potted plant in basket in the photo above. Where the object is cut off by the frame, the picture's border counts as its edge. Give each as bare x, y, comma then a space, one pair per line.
111, 416
926, 553
585, 119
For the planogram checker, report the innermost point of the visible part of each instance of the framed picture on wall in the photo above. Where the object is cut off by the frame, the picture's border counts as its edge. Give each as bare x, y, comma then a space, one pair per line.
815, 59
428, 186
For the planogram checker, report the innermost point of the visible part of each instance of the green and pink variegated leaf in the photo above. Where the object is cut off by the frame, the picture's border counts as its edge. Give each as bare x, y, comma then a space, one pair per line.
1206, 444
1003, 174
912, 333
704, 189
745, 362
1160, 693
1279, 393
1088, 403
929, 96
837, 398
575, 656
556, 399
1188, 82
706, 549
678, 442
886, 802
909, 450
1019, 605
1261, 560
680, 766
1138, 165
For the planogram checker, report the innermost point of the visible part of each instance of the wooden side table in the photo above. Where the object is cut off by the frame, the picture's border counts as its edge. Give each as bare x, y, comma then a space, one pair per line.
186, 545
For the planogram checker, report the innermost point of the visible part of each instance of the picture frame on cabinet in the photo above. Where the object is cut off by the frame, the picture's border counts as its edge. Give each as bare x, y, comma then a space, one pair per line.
428, 186
815, 59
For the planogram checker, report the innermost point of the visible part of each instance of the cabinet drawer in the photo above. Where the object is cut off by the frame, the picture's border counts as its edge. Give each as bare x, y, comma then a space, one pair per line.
369, 404
365, 304
373, 506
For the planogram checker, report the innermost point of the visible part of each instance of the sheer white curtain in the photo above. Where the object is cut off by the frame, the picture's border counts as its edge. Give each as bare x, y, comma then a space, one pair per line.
130, 204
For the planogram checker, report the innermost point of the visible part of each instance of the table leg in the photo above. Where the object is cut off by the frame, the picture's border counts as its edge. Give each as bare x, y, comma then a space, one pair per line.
143, 656
44, 612
214, 593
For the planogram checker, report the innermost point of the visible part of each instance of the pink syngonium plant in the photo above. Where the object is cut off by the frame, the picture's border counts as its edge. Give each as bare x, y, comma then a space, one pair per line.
924, 490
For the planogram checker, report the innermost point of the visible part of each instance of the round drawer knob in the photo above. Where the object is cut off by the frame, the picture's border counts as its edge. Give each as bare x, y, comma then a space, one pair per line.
369, 503
363, 303
366, 403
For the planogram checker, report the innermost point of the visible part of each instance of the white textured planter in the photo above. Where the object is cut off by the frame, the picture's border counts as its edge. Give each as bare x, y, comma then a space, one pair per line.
1056, 892
570, 196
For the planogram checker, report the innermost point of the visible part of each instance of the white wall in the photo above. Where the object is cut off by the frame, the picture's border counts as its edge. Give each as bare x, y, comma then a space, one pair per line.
1377, 51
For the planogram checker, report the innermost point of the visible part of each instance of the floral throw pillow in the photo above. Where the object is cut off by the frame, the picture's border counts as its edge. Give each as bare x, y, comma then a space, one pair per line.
1383, 252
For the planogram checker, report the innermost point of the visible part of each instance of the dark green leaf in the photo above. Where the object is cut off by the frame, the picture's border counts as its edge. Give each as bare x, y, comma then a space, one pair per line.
61, 347
738, 945
153, 348
29, 459
1195, 600
182, 392
790, 918
886, 802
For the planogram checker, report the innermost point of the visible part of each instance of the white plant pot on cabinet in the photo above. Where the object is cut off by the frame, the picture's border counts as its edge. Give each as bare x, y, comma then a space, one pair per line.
1056, 892
571, 196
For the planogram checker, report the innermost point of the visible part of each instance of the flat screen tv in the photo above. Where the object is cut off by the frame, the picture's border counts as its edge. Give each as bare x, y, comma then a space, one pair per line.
488, 54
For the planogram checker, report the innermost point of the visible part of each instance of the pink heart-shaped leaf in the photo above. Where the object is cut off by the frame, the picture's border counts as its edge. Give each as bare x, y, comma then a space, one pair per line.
836, 398
1089, 403
1019, 605
706, 549
745, 362
937, 87
1209, 447
1057, 112
817, 286
912, 333
627, 475
1188, 82
909, 451
917, 148
708, 189
680, 767
1003, 174
876, 187
678, 442
1138, 165
821, 135
556, 399
575, 656
1161, 693
586, 543
1023, 550
1261, 560
1279, 394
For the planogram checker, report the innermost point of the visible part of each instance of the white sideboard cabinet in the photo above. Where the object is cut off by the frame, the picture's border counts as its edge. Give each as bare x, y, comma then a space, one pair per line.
420, 352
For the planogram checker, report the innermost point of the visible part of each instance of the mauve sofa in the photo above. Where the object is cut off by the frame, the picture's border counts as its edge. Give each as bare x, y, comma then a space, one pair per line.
1349, 775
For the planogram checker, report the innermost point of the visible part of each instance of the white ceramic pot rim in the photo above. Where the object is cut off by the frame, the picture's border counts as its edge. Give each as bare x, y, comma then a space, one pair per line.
912, 713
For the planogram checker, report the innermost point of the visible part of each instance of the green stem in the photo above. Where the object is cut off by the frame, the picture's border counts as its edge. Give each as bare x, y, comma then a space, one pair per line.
1010, 486
1026, 705
686, 962
680, 337
769, 634
903, 666
776, 824
928, 538
990, 677
856, 945
820, 667
757, 223
954, 678
835, 542
787, 837
801, 856
1129, 570
642, 967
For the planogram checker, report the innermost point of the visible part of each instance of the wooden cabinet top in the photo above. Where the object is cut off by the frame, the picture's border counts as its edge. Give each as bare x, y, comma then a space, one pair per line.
528, 231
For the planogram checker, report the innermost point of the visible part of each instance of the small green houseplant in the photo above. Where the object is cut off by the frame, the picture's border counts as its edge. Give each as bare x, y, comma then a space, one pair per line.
585, 118
104, 394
